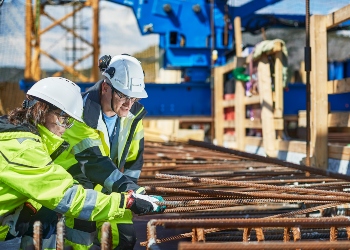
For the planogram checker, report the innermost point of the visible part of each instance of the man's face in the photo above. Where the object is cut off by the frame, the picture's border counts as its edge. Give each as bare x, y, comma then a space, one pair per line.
121, 104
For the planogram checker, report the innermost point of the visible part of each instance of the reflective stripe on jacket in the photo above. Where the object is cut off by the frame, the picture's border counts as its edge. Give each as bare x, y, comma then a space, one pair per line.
27, 172
90, 158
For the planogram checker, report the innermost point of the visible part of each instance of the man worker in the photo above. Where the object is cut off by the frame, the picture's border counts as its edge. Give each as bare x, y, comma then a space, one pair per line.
111, 143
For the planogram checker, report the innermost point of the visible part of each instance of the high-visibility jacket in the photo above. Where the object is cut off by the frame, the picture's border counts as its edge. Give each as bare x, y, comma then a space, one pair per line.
91, 157
28, 172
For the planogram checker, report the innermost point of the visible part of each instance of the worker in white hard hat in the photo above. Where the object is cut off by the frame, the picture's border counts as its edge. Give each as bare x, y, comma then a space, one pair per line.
108, 149
30, 139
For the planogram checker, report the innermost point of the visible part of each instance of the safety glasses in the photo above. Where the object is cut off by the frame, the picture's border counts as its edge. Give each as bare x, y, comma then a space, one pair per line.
125, 98
122, 97
63, 120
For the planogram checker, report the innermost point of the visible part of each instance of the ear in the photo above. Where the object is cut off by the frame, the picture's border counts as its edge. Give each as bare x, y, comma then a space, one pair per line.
104, 87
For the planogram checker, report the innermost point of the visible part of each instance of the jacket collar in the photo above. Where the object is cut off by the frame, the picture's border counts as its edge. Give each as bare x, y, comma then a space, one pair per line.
49, 139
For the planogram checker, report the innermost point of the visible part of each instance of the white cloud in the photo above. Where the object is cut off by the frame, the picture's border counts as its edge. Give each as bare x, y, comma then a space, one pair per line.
119, 32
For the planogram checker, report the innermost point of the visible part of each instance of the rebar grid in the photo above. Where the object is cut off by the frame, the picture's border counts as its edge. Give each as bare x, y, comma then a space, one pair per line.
213, 191
248, 224
309, 245
260, 182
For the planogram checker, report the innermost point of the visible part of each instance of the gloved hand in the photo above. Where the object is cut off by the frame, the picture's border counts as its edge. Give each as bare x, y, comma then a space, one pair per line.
141, 204
160, 199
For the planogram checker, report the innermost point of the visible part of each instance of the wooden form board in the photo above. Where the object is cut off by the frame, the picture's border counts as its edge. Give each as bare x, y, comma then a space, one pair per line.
320, 88
240, 129
165, 130
271, 102
320, 120
334, 119
334, 151
11, 96
265, 93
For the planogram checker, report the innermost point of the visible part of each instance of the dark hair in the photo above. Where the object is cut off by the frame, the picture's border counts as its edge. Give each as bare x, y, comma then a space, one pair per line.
33, 115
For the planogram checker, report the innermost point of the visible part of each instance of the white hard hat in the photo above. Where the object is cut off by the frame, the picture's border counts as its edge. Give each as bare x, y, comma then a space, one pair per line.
60, 92
125, 74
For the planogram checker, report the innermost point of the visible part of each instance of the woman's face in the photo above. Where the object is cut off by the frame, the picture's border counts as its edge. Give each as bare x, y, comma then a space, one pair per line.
56, 123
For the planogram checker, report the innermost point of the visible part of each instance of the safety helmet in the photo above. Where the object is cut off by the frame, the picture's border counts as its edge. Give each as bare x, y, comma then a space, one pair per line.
125, 74
60, 92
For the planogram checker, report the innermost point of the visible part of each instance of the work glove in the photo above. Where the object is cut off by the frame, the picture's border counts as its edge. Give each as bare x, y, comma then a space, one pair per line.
159, 199
142, 204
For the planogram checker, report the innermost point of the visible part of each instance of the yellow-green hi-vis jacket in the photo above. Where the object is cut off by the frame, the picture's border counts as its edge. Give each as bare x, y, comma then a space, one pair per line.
97, 163
28, 172
92, 159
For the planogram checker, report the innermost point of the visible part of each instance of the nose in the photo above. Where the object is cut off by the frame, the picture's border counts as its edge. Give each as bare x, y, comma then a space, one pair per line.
127, 101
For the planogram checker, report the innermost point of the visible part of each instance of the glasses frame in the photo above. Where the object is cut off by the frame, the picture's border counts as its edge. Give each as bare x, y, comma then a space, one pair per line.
68, 121
122, 97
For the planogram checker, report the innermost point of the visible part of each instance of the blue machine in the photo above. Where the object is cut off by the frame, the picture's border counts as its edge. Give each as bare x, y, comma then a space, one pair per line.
185, 30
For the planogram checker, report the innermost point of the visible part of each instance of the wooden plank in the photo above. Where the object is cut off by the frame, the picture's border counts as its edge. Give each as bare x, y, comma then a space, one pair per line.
302, 72
265, 93
255, 99
193, 119
254, 141
11, 96
228, 67
256, 123
330, 87
238, 35
248, 100
334, 151
229, 124
218, 107
319, 91
339, 86
278, 112
239, 91
228, 103
292, 146
240, 113
339, 152
337, 17
335, 119
339, 119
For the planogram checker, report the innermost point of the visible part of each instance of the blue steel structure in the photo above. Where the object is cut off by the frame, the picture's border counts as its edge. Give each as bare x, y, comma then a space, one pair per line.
185, 29
185, 38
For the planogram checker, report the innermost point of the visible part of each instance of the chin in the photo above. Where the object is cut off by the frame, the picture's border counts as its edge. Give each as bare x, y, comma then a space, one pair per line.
123, 113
